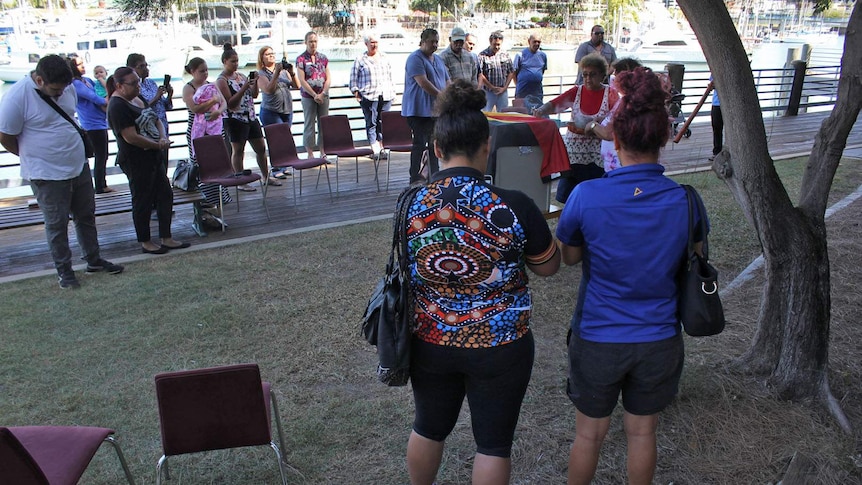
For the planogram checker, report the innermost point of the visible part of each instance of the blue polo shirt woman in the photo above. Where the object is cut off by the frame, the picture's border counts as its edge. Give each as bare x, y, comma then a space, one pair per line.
630, 231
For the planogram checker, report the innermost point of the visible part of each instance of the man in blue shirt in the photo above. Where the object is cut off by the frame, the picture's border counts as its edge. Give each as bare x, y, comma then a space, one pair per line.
530, 66
424, 78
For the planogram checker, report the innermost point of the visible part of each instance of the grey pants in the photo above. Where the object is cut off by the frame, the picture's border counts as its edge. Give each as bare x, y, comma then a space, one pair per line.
57, 200
311, 113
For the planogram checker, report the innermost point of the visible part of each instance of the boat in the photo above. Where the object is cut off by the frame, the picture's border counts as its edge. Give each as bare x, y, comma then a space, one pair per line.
98, 45
662, 46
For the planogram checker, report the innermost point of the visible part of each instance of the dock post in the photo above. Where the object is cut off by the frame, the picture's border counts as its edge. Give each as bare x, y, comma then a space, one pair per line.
796, 88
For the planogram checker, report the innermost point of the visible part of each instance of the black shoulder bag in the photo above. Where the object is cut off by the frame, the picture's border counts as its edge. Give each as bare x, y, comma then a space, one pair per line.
88, 146
388, 317
699, 305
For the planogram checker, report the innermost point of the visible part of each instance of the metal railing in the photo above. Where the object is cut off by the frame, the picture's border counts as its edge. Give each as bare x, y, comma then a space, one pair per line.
818, 87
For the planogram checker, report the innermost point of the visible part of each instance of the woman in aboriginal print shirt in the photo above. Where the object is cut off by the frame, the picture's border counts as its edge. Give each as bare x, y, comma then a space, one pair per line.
469, 246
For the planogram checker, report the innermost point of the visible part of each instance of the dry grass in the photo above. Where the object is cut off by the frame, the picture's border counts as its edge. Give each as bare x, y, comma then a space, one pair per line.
291, 304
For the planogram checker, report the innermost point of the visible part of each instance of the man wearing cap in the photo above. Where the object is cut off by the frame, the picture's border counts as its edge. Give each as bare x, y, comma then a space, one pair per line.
495, 73
598, 45
530, 66
460, 63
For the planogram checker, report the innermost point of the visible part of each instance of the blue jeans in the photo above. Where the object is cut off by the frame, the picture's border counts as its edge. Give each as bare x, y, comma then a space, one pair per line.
57, 200
268, 117
499, 101
371, 110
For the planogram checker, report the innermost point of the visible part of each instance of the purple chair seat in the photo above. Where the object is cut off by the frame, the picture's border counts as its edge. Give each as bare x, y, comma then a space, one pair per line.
231, 180
61, 453
397, 137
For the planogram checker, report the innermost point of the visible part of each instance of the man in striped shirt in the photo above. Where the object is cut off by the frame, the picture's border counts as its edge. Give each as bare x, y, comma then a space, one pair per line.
372, 84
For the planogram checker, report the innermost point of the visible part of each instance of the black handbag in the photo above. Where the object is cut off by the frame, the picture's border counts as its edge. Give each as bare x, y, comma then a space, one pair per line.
186, 175
699, 305
89, 152
387, 321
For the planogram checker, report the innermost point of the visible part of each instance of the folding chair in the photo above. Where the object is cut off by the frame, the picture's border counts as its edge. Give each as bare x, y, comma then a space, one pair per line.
215, 409
282, 154
215, 168
397, 137
55, 455
337, 141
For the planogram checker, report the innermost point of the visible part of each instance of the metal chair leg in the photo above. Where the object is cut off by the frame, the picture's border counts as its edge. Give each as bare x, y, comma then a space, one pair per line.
113, 442
162, 464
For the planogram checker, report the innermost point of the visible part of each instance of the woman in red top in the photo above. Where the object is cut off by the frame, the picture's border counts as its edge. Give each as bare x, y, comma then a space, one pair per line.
590, 103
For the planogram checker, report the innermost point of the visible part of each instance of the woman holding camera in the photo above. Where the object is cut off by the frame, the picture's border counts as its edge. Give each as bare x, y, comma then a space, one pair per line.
274, 80
241, 123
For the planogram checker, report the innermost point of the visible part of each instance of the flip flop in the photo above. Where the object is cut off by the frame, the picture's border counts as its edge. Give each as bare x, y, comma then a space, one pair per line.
273, 181
246, 188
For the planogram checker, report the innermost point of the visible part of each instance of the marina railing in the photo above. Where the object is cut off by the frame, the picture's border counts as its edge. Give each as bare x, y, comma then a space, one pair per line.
781, 92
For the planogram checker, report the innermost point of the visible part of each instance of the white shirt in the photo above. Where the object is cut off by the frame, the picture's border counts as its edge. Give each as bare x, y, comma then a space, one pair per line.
49, 146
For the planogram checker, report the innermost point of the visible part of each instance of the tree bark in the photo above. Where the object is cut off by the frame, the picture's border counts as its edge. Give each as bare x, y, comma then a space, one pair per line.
790, 346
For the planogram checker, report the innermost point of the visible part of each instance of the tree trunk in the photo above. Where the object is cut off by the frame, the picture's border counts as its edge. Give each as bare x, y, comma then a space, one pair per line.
790, 346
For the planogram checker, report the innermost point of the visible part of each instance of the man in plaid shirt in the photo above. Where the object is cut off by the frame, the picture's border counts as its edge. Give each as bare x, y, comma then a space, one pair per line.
495, 73
461, 63
372, 84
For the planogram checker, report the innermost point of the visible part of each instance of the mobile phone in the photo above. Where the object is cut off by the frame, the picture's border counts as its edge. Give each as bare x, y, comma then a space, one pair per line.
252, 75
167, 80
284, 64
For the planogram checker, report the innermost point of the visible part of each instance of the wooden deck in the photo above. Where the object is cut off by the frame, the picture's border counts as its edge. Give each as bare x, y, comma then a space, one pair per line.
25, 250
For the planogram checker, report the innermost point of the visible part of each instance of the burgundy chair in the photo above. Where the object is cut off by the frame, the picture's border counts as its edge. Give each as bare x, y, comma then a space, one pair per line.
52, 455
215, 409
397, 137
215, 168
337, 141
282, 154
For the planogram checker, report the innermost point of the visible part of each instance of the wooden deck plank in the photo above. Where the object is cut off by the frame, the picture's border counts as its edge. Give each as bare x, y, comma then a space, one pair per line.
25, 249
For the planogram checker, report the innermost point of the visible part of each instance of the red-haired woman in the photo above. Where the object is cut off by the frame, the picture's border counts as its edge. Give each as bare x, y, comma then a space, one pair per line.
630, 228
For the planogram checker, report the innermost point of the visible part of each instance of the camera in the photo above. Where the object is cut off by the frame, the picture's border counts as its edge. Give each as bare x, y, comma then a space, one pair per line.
285, 65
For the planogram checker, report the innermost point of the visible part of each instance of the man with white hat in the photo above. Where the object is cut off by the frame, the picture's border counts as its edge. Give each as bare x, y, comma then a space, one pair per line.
460, 63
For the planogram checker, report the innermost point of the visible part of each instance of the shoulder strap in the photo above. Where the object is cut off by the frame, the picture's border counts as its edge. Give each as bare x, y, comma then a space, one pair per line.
696, 203
399, 224
59, 110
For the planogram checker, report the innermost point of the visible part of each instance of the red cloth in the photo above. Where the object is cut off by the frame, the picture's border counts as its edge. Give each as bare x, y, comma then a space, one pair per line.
555, 158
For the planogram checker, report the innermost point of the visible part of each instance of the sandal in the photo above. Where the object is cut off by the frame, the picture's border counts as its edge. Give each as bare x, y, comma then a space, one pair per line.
246, 188
280, 175
273, 181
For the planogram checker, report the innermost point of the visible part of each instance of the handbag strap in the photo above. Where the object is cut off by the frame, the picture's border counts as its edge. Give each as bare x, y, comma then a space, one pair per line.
695, 202
399, 227
399, 233
59, 110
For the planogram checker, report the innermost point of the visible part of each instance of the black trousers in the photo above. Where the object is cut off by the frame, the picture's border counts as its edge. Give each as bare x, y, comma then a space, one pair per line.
99, 139
717, 129
150, 188
423, 132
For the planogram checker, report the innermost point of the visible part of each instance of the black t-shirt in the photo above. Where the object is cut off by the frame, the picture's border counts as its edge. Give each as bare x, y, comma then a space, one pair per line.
122, 114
